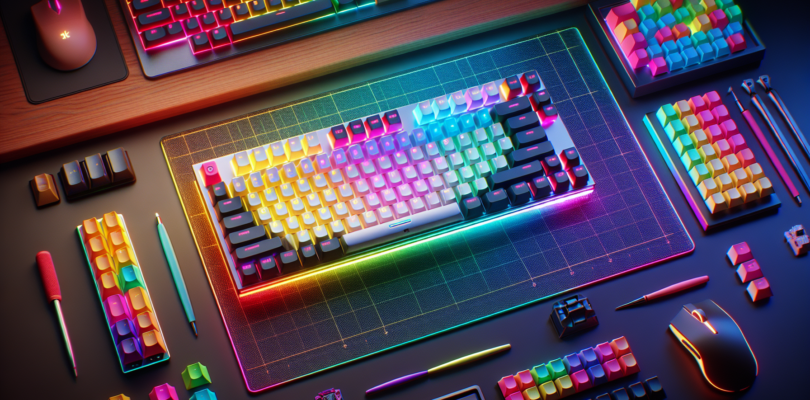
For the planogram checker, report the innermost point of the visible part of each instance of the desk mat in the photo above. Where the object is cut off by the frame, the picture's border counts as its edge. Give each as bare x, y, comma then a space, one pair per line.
340, 315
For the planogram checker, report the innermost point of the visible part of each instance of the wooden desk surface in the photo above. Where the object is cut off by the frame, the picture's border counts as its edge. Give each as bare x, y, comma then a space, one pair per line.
28, 129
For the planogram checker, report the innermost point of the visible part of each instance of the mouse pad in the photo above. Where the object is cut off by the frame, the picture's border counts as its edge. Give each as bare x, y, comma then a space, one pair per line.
43, 83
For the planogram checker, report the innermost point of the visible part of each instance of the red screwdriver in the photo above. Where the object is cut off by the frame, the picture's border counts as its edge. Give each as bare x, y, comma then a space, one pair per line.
51, 284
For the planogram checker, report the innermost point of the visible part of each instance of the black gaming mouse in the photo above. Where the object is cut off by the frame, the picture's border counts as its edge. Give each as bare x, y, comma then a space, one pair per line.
718, 345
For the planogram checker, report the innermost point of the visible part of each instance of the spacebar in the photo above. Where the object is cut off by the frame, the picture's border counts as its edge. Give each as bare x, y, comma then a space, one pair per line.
401, 228
280, 19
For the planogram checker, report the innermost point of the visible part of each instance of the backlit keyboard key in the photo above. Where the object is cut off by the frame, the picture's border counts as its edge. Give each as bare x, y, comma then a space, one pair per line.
200, 42
511, 88
490, 94
530, 82
474, 98
423, 113
511, 108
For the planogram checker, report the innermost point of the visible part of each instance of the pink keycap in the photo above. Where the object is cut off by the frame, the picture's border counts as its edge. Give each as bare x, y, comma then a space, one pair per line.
720, 114
474, 98
759, 289
359, 131
401, 210
383, 164
351, 173
620, 14
388, 197
581, 380
705, 118
613, 369
638, 59
404, 192
420, 188
604, 352
377, 122
394, 178
712, 99
524, 380
516, 396
409, 174
620, 346
425, 169
697, 104
746, 157
658, 66
628, 364
739, 253
719, 19
367, 169
210, 173
664, 35
322, 163
736, 42
508, 385
371, 201
634, 42
729, 128
714, 133
377, 183
737, 143
163, 392
722, 148
116, 308
748, 271
400, 160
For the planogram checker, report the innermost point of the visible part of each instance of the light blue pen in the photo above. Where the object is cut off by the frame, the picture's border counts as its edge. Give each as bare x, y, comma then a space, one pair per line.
177, 275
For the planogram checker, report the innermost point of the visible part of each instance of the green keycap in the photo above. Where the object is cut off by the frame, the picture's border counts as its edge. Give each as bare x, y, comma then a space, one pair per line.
196, 375
463, 191
503, 146
682, 16
698, 173
447, 146
463, 141
465, 174
690, 159
555, 368
675, 129
495, 132
480, 136
488, 151
480, 187
471, 156
498, 164
734, 14
482, 169
694, 9
540, 374
666, 114
130, 277
682, 144
455, 161
662, 7
724, 4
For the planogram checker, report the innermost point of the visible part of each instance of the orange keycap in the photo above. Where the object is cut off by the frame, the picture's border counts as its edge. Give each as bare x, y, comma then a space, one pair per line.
123, 257
102, 264
118, 239
138, 300
153, 346
44, 189
110, 223
108, 284
90, 229
97, 246
146, 322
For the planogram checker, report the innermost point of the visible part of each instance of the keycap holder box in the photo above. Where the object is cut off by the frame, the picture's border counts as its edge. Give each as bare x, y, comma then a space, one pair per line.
641, 82
80, 231
557, 134
708, 221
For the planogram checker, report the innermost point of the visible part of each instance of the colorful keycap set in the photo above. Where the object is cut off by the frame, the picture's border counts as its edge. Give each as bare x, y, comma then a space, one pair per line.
711, 160
749, 272
463, 158
573, 373
133, 324
658, 39
95, 173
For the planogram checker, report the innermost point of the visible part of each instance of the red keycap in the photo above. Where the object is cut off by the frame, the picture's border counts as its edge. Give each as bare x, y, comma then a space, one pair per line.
163, 392
658, 66
515, 396
736, 42
634, 42
739, 253
508, 385
108, 285
210, 173
620, 14
737, 143
697, 104
530, 82
705, 118
153, 346
680, 30
524, 380
748, 271
628, 364
746, 157
604, 352
547, 114
759, 289
620, 346
613, 369
719, 19
581, 380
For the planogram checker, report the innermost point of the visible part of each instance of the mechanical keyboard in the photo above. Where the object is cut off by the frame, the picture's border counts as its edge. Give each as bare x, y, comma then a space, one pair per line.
172, 35
336, 194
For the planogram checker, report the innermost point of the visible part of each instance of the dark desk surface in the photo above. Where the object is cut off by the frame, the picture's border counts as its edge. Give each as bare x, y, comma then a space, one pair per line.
34, 365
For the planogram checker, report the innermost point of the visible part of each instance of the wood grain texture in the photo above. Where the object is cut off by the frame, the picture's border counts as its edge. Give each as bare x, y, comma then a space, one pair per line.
27, 129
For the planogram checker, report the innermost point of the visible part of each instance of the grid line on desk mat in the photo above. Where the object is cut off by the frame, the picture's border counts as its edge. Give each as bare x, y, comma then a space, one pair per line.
343, 314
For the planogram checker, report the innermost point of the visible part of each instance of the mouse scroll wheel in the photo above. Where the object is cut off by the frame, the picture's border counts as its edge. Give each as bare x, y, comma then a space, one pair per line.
699, 315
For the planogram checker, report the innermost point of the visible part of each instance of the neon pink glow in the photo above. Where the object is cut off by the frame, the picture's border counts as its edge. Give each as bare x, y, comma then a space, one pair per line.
252, 247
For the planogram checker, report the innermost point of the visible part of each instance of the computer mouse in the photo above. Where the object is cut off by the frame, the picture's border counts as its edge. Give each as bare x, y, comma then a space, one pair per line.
66, 40
716, 341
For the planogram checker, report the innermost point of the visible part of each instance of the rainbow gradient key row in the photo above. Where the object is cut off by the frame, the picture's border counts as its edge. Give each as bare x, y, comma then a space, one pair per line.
313, 199
572, 374
128, 310
669, 35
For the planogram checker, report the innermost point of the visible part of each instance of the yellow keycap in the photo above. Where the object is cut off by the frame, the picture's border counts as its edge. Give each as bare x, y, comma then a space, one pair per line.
263, 216
312, 202
548, 391
90, 228
118, 239
238, 187
320, 233
564, 386
319, 183
302, 187
279, 211
731, 162
339, 211
754, 172
255, 182
707, 188
329, 197
240, 163
701, 23
286, 192
303, 237
312, 143
353, 224
254, 201
733, 197
716, 203
699, 138
531, 394
323, 216
356, 206
739, 177
138, 300
764, 187
749, 192
708, 5
724, 182
291, 225
345, 192
294, 148
707, 153
691, 123
335, 178
683, 109
124, 257
270, 197
277, 154
259, 159
272, 177
290, 242
336, 229
111, 222
625, 29
296, 207
275, 229
305, 168
308, 220
716, 168
289, 172
97, 246
639, 3
108, 284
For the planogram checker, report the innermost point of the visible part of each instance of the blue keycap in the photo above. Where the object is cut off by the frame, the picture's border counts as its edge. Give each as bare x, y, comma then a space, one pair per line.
572, 363
732, 28
684, 43
403, 140
654, 51
388, 145
690, 56
372, 148
721, 48
675, 62
482, 118
699, 38
669, 47
648, 28
647, 12
434, 131
653, 41
597, 375
466, 123
423, 113
667, 20
715, 34
419, 137
588, 358
450, 127
706, 52
441, 107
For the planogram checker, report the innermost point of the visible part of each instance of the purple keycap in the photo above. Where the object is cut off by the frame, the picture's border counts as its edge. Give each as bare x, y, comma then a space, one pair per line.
129, 350
403, 140
409, 174
122, 330
339, 159
356, 155
377, 183
419, 137
388, 145
404, 192
371, 148
384, 164
394, 178
474, 98
400, 160
322, 163
425, 169
491, 95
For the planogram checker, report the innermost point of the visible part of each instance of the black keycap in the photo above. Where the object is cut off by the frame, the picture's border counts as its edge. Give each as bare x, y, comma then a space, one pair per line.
196, 7
512, 176
74, 179
257, 7
191, 26
274, 5
548, 112
637, 392
208, 21
654, 388
219, 37
237, 222
529, 137
560, 182
241, 12
530, 81
180, 11
200, 42
218, 192
280, 19
156, 37
619, 394
374, 122
330, 250
540, 187
96, 171
511, 108
309, 255
248, 274
603, 396
472, 208
153, 19
519, 194
495, 201
578, 176
540, 99
119, 166
391, 118
142, 6
175, 31
226, 208
290, 261
247, 236
269, 268
229, 3
341, 5
225, 17
521, 123
569, 158
551, 164
358, 129
258, 250
214, 4
529, 154
339, 133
